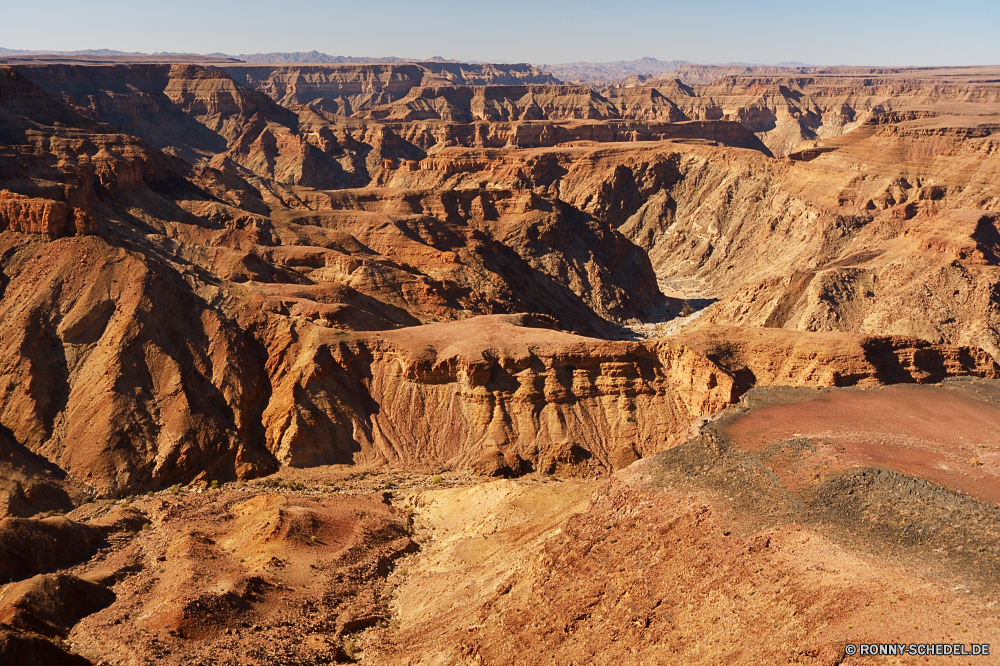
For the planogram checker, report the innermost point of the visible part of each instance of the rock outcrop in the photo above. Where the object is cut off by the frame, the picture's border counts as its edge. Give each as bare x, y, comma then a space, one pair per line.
18, 648
34, 545
51, 604
451, 394
375, 281
206, 278
30, 484
39, 216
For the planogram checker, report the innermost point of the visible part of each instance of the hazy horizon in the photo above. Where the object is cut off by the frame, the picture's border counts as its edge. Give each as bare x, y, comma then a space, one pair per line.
436, 57
892, 33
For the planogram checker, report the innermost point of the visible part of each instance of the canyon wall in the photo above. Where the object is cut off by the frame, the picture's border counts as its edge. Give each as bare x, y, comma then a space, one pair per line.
435, 272
504, 395
345, 89
206, 278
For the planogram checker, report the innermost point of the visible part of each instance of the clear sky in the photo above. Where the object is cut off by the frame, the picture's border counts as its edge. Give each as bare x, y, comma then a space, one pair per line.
852, 32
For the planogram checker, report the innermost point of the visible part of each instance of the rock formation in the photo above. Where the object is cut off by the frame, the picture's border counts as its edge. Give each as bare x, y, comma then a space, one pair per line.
348, 88
284, 232
787, 106
218, 272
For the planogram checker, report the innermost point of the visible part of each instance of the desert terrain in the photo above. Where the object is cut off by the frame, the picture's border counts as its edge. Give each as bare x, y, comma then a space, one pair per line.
436, 363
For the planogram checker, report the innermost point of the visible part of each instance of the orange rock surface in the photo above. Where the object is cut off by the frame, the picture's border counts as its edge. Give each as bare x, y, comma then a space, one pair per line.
232, 208
212, 272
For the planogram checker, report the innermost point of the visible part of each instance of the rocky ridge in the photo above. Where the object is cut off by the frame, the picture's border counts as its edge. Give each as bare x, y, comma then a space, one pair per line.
205, 280
582, 232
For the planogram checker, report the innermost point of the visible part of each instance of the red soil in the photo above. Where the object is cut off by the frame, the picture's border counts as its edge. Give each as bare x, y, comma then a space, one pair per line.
947, 434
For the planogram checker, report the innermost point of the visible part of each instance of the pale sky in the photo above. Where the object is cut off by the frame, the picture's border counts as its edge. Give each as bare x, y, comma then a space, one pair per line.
852, 32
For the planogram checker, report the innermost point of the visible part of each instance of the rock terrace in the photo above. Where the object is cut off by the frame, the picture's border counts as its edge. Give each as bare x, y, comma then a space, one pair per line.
319, 363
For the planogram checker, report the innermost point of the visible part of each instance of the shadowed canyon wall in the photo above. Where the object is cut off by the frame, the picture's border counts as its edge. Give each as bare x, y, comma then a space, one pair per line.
211, 273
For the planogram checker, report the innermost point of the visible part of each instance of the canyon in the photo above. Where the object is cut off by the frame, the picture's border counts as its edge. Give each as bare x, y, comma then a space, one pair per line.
438, 362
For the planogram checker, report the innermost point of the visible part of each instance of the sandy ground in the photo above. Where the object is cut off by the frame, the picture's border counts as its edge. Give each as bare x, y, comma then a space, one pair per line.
948, 434
793, 524
641, 574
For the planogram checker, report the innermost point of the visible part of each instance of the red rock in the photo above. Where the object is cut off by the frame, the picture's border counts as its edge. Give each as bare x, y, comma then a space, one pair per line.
39, 216
50, 605
18, 648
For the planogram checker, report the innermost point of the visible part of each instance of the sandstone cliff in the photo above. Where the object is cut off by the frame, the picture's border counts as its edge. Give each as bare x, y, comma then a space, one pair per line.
325, 267
347, 89
786, 106
504, 396
494, 103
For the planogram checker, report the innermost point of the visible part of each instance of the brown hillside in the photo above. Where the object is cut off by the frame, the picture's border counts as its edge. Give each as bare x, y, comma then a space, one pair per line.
439, 363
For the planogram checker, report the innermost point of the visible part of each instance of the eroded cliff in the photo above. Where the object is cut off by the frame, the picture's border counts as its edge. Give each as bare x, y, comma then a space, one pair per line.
221, 274
284, 233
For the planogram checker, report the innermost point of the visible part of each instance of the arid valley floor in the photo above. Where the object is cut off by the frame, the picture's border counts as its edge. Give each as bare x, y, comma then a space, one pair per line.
433, 363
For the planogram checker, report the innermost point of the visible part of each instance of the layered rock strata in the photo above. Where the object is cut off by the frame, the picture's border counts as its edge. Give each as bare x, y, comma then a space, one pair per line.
323, 264
506, 399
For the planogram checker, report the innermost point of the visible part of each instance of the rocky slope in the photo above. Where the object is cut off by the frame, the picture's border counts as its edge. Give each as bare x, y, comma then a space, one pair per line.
786, 106
279, 269
211, 279
708, 553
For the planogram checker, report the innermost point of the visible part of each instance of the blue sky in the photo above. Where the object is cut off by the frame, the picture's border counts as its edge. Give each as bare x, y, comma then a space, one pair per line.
885, 32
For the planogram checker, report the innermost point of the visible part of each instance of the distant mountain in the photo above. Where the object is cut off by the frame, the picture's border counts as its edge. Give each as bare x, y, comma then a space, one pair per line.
91, 52
96, 52
597, 74
609, 72
786, 63
302, 57
266, 58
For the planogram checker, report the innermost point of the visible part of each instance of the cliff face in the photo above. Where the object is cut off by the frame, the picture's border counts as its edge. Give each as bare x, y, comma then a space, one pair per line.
336, 89
466, 104
503, 396
186, 109
40, 216
784, 107
204, 116
788, 106
433, 137
347, 89
199, 282
491, 393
